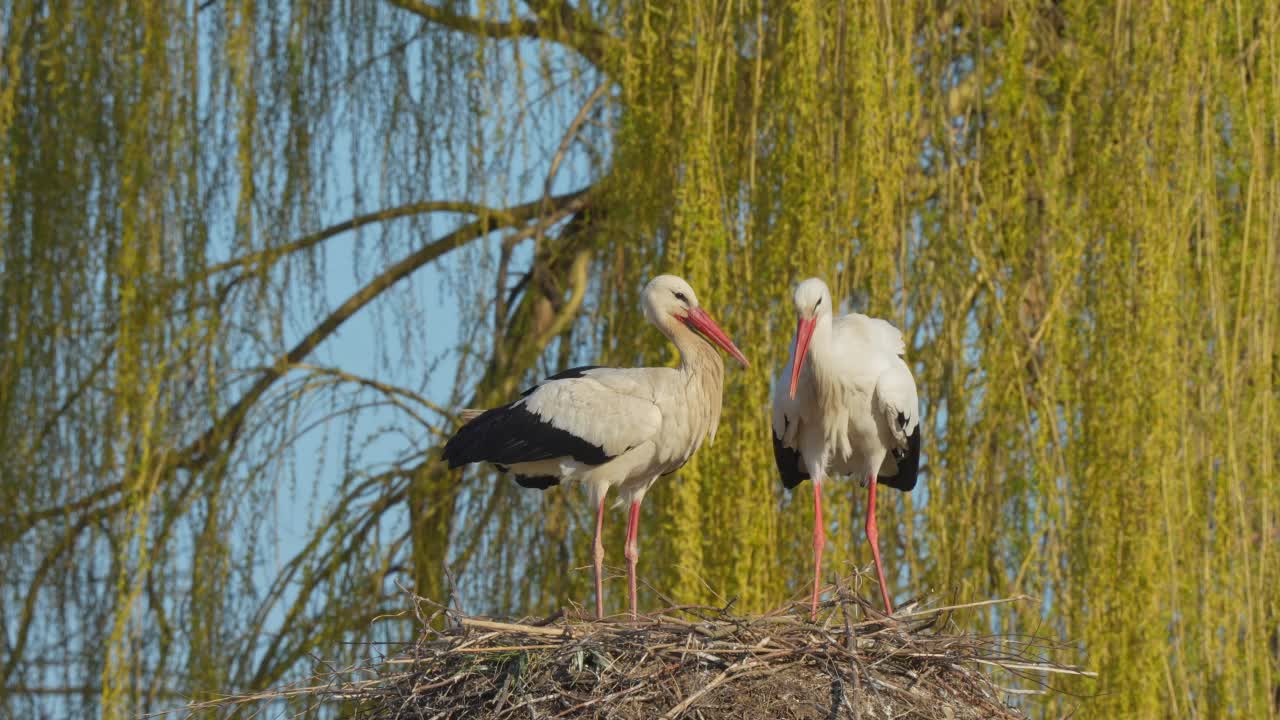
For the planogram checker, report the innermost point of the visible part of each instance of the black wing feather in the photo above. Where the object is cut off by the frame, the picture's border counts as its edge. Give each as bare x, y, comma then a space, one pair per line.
789, 464
512, 434
537, 482
908, 466
569, 374
540, 482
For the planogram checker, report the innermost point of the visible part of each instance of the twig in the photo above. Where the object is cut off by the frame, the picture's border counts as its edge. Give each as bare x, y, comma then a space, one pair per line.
945, 608
1037, 667
504, 648
514, 627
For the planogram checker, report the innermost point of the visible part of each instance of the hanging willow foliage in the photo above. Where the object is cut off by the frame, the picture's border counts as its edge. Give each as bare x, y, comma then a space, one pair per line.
1072, 209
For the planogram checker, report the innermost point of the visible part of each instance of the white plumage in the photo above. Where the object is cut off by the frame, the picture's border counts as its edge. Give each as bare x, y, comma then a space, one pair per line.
612, 427
608, 407
845, 404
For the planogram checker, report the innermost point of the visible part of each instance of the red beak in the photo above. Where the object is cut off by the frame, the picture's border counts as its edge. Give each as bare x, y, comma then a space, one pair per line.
699, 320
804, 333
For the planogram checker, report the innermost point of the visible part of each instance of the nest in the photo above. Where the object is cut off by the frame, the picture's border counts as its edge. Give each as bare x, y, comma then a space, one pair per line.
689, 662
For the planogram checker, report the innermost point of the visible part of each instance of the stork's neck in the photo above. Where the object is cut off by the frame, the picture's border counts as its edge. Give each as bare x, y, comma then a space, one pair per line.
696, 354
701, 363
820, 358
829, 385
821, 362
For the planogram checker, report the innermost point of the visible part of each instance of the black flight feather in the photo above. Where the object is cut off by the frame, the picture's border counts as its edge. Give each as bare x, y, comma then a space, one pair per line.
789, 464
541, 482
512, 434
908, 465
538, 482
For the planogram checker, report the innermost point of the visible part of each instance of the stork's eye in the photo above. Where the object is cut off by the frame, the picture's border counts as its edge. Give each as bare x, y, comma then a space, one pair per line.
815, 305
680, 296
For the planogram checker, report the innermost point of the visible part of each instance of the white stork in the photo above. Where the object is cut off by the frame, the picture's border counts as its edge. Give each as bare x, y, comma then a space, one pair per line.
852, 408
612, 427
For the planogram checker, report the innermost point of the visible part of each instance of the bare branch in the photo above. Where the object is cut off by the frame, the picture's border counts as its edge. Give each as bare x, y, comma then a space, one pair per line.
570, 133
529, 352
198, 453
569, 28
68, 509
418, 208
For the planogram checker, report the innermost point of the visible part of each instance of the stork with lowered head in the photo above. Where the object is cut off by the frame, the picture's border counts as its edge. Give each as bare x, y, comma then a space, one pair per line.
846, 403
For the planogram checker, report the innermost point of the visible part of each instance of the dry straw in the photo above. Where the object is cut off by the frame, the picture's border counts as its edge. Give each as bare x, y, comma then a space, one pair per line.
685, 662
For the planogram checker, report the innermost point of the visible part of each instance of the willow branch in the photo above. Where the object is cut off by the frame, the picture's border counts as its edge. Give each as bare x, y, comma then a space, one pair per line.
28, 614
198, 453
335, 561
570, 133
306, 241
573, 31
394, 394
471, 24
286, 578
529, 352
394, 391
74, 396
83, 504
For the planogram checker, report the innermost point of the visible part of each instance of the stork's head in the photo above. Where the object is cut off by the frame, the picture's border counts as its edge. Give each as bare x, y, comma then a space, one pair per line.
813, 300
668, 298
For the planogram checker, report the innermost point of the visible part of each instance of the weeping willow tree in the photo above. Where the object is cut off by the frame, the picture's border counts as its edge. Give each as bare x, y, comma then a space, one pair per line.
238, 236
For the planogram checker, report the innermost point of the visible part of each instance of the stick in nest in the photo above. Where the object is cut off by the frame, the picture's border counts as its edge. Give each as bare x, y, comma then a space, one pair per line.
711, 665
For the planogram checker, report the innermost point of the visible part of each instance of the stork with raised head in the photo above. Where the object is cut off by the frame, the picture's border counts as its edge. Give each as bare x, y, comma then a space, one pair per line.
612, 427
846, 403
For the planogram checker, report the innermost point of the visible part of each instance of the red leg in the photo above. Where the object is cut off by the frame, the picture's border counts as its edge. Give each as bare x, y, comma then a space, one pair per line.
599, 558
873, 537
819, 540
632, 552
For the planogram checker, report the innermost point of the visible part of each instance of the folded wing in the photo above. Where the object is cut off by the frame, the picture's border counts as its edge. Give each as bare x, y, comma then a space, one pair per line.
786, 428
589, 415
